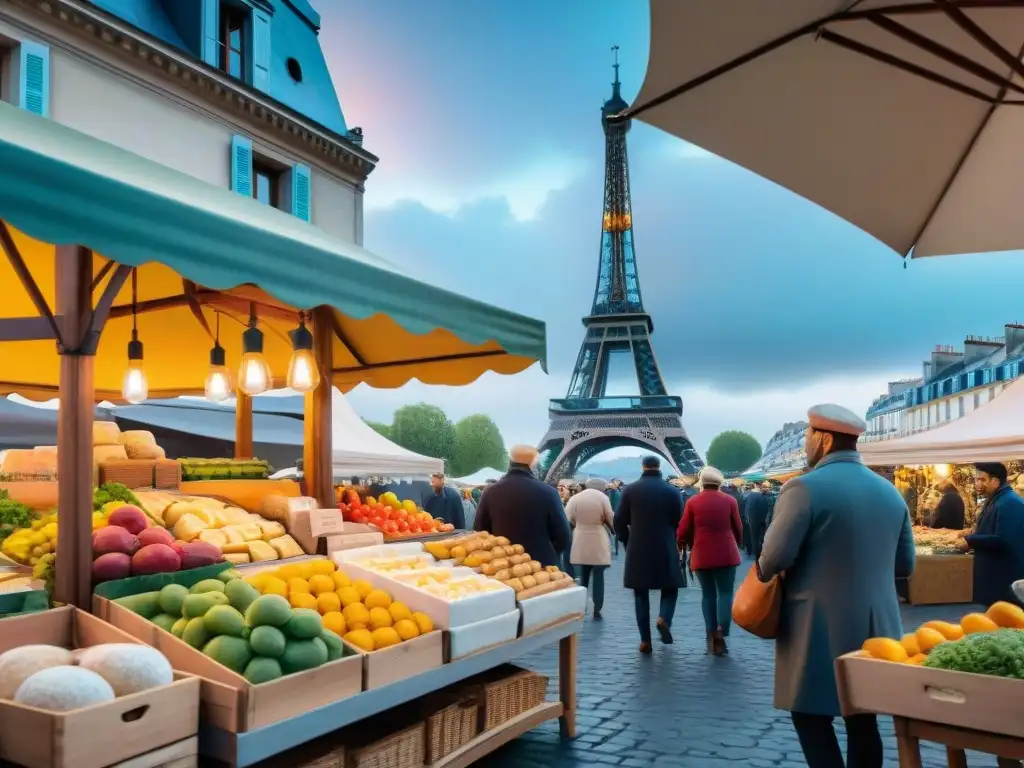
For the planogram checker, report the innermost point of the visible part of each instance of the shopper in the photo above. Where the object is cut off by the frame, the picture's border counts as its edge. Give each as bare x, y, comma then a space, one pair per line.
525, 510
712, 529
444, 502
590, 514
998, 538
839, 535
758, 508
949, 512
646, 522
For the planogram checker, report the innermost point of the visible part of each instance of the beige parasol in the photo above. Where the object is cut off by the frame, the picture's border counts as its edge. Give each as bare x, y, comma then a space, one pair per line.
904, 118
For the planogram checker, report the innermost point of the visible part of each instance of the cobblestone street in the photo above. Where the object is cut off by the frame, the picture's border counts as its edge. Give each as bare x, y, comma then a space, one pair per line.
679, 707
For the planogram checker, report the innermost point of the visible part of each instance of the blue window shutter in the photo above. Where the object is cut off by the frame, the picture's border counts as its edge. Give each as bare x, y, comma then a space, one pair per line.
34, 78
261, 51
209, 22
241, 165
302, 205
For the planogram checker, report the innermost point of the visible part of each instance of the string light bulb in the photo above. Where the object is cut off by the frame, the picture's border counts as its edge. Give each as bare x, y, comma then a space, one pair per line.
218, 380
303, 373
135, 387
254, 377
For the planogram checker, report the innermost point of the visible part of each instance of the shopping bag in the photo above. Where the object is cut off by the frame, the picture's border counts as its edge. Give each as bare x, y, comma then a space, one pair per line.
757, 605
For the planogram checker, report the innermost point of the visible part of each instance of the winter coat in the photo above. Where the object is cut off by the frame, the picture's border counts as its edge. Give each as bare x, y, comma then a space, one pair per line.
446, 505
758, 508
646, 522
711, 527
526, 511
842, 535
949, 512
998, 544
590, 511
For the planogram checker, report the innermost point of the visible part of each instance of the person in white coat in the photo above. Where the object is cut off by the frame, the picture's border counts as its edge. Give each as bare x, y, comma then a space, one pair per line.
590, 514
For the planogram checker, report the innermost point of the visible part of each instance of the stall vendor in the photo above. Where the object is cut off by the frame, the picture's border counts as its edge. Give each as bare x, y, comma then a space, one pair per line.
444, 502
998, 538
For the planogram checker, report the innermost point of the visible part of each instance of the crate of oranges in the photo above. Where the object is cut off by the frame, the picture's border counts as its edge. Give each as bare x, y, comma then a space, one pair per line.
394, 641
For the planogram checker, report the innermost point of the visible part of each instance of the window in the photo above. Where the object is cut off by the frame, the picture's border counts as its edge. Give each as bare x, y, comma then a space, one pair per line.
233, 51
266, 184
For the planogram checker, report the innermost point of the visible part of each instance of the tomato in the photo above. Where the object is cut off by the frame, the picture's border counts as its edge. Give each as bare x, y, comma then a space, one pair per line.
366, 509
359, 517
403, 526
389, 513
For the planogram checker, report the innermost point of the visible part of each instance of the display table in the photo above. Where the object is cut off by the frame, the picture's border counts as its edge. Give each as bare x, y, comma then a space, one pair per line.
909, 734
243, 749
942, 580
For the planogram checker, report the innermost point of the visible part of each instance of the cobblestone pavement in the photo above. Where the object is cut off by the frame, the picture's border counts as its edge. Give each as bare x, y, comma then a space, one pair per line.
678, 708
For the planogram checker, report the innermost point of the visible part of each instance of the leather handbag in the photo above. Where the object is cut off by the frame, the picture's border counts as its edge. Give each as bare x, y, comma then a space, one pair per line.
757, 605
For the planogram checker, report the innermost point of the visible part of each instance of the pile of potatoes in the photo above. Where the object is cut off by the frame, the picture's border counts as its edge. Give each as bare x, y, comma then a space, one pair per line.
497, 557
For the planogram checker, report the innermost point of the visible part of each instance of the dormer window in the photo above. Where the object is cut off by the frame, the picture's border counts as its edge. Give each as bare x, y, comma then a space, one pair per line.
233, 53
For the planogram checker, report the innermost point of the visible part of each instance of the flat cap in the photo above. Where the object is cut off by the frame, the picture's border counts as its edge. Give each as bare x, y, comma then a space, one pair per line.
522, 454
710, 476
829, 417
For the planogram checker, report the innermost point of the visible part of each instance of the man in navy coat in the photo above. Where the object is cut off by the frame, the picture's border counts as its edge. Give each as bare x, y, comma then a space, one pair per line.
998, 538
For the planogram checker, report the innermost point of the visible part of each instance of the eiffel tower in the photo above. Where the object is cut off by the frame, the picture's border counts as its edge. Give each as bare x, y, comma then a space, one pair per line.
587, 421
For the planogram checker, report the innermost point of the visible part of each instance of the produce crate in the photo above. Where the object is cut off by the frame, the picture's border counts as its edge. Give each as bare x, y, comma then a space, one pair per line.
97, 736
479, 636
167, 475
942, 579
450, 723
402, 661
403, 748
543, 611
960, 699
504, 693
132, 473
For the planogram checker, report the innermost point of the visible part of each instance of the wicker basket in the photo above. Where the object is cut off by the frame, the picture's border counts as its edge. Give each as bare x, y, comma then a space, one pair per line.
449, 726
504, 693
132, 473
400, 749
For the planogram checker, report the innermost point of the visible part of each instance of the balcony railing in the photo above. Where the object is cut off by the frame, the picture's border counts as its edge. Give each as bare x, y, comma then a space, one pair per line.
951, 385
650, 403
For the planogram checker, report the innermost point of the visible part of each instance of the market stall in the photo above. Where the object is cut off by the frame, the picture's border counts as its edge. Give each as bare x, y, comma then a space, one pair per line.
151, 282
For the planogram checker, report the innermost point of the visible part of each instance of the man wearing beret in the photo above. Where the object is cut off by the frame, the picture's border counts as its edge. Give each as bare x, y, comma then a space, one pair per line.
839, 538
998, 538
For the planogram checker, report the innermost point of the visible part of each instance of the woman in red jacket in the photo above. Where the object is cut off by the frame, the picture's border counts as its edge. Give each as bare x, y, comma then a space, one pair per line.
711, 527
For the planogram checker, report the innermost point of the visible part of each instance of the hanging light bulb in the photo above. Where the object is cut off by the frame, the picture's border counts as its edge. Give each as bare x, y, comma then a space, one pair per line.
135, 388
303, 374
253, 372
218, 380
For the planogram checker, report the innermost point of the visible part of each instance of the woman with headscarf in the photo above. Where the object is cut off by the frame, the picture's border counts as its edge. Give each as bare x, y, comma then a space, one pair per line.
590, 514
712, 529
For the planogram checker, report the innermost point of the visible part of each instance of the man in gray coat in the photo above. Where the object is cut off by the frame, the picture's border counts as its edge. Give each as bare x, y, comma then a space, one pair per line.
839, 536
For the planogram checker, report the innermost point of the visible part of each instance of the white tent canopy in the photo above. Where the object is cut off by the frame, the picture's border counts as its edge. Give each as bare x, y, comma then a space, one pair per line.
994, 432
480, 477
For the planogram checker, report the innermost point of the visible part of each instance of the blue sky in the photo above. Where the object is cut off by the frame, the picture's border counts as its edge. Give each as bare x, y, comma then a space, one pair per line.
486, 119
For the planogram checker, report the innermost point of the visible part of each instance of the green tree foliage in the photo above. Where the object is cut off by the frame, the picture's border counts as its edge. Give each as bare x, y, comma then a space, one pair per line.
380, 429
478, 444
734, 451
424, 429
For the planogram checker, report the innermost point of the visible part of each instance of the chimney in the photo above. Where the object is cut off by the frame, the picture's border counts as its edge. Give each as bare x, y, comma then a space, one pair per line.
927, 370
944, 356
1014, 334
977, 347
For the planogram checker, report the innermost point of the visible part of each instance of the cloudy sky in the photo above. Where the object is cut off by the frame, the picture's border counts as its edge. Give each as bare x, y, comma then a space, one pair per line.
486, 120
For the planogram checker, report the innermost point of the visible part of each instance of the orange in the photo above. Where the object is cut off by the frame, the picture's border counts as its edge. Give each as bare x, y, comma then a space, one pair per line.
917, 658
909, 643
275, 586
423, 622
378, 598
302, 600
885, 649
297, 585
341, 579
328, 602
379, 617
407, 629
385, 636
335, 622
290, 571
928, 638
399, 611
363, 587
1006, 615
348, 596
356, 616
322, 567
973, 623
360, 638
318, 584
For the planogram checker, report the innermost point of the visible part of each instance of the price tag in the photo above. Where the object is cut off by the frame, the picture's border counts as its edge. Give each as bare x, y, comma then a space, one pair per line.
325, 522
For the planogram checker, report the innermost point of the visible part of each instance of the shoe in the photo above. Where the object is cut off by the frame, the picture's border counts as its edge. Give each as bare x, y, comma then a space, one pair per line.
710, 649
645, 649
664, 632
718, 641
597, 615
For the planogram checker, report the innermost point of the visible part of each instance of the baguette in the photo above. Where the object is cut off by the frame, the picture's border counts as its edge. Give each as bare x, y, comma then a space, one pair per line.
543, 589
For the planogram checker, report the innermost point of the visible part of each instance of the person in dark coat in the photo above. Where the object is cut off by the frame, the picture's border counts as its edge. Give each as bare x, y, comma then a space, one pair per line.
445, 502
525, 510
614, 492
998, 538
758, 508
646, 521
949, 512
711, 527
840, 537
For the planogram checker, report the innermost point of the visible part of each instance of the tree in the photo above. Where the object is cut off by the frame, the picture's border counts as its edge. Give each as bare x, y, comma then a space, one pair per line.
381, 429
734, 451
478, 444
424, 429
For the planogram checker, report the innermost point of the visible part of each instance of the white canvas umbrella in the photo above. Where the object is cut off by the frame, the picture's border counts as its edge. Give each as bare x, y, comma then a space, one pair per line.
904, 118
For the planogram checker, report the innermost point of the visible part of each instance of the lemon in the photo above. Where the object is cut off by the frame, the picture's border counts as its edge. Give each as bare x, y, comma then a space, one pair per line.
296, 586
360, 638
356, 616
258, 581
322, 567
290, 571
305, 569
385, 636
379, 617
378, 598
909, 643
886, 649
334, 621
275, 586
341, 579
302, 600
407, 629
399, 611
328, 602
363, 587
348, 596
423, 622
318, 584
927, 638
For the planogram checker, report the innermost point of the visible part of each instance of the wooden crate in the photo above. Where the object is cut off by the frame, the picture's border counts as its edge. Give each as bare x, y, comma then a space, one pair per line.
402, 661
942, 579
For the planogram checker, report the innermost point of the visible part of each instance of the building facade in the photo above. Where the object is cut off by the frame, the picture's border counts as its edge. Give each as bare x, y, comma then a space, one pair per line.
953, 383
783, 453
234, 92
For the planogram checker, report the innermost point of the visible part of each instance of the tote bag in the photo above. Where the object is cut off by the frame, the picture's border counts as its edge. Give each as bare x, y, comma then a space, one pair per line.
757, 605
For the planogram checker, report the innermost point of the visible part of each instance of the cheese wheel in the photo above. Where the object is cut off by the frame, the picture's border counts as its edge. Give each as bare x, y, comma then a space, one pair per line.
105, 433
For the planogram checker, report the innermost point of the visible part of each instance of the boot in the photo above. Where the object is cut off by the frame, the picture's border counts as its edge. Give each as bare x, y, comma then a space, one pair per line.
719, 646
663, 632
711, 644
645, 649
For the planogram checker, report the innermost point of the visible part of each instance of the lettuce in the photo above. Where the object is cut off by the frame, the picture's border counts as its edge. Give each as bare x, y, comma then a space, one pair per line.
999, 653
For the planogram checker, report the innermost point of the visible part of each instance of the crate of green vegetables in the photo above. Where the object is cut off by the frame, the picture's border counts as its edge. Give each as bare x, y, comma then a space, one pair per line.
224, 469
976, 682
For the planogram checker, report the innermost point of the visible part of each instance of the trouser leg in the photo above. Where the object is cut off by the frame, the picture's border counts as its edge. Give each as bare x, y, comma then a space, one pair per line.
642, 602
668, 605
863, 742
818, 740
725, 580
708, 600
598, 587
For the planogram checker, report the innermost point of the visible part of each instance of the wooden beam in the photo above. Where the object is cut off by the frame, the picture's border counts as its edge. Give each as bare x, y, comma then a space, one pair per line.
205, 296
243, 425
346, 342
318, 449
421, 361
27, 281
26, 329
73, 584
104, 271
90, 339
973, 30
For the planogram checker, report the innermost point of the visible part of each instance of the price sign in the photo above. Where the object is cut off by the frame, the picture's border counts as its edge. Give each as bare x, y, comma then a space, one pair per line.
325, 522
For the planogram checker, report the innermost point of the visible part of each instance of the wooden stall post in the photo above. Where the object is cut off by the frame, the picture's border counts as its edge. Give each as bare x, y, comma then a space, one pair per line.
73, 578
243, 425
318, 447
567, 647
